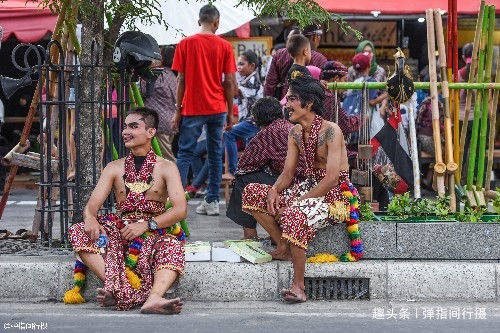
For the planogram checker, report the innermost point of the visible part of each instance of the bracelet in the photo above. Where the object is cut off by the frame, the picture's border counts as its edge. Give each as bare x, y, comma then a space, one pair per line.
178, 106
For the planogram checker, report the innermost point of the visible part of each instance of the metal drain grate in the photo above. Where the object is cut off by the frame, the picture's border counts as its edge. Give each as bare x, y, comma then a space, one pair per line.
328, 288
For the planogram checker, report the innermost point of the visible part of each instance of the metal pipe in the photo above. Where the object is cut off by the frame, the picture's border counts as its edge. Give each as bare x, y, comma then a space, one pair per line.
418, 85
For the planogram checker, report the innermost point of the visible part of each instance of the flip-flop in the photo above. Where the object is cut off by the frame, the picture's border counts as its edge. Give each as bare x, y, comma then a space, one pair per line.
4, 233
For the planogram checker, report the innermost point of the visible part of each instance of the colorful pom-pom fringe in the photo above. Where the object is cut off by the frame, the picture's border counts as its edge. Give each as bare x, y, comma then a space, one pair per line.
135, 248
356, 245
74, 296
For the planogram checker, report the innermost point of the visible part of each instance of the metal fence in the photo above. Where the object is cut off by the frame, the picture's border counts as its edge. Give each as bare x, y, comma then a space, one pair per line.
61, 108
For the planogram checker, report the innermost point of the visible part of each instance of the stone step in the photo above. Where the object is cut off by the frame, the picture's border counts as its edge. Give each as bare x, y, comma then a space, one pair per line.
418, 240
47, 278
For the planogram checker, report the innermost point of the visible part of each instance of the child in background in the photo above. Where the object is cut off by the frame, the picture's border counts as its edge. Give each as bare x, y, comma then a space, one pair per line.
249, 90
299, 48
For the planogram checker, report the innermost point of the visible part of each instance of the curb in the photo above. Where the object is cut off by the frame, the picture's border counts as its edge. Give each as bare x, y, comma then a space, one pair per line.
47, 278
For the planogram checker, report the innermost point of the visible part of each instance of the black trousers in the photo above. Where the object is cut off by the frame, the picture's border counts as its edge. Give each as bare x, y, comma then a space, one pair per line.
234, 211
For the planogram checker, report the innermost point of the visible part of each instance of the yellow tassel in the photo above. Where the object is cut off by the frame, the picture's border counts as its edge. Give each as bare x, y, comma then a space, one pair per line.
73, 296
352, 228
347, 194
133, 257
177, 229
350, 257
134, 280
79, 276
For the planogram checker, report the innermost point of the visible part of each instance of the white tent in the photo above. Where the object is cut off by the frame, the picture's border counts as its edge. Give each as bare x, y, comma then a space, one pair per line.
182, 17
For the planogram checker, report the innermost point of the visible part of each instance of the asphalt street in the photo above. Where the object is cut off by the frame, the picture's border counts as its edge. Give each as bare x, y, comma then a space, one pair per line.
343, 316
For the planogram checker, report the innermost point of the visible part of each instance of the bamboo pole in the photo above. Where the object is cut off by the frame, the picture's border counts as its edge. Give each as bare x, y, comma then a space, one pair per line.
439, 166
33, 108
455, 98
491, 139
451, 166
472, 75
477, 104
414, 153
485, 100
418, 85
140, 102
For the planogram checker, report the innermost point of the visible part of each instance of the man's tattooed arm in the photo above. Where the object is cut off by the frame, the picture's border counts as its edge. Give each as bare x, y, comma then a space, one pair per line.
296, 135
326, 136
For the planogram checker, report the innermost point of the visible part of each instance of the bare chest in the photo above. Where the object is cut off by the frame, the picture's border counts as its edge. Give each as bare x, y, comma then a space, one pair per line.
156, 190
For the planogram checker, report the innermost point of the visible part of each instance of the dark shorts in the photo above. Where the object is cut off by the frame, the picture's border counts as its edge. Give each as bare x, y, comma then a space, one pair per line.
234, 211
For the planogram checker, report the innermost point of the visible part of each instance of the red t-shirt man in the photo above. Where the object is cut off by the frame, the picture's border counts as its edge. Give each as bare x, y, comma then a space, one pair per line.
203, 58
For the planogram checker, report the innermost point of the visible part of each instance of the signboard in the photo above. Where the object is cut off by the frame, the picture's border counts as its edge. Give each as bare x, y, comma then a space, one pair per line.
260, 45
381, 33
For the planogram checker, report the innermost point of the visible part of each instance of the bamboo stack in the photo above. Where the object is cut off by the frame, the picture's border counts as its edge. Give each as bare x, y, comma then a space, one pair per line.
491, 139
451, 166
439, 166
485, 101
479, 126
472, 74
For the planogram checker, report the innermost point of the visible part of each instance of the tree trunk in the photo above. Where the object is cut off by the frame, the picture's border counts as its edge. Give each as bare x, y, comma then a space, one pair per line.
90, 136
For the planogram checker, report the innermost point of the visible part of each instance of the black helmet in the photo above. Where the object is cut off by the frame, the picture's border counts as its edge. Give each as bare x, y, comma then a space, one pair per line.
135, 49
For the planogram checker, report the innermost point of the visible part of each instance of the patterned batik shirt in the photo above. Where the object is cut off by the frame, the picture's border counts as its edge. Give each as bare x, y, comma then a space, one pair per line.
163, 100
267, 151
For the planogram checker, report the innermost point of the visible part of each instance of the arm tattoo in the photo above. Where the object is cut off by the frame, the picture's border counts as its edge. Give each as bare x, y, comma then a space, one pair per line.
296, 136
327, 136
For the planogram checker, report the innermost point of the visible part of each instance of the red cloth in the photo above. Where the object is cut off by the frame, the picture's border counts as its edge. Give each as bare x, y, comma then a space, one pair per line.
203, 58
361, 61
25, 20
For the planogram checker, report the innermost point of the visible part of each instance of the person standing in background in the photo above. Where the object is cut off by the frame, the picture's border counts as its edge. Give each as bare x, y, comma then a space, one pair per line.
249, 90
204, 99
163, 101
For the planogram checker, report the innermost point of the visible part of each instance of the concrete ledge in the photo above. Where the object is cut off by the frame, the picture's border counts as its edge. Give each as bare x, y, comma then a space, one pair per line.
442, 281
41, 279
419, 240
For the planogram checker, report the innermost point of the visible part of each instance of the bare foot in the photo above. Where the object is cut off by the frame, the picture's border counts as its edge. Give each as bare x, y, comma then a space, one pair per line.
105, 298
282, 252
294, 295
160, 305
249, 233
71, 175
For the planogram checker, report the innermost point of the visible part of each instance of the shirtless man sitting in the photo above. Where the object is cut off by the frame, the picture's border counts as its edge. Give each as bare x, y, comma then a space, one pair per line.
292, 209
142, 257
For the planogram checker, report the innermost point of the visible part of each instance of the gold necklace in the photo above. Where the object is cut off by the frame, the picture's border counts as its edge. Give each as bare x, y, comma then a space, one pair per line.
139, 187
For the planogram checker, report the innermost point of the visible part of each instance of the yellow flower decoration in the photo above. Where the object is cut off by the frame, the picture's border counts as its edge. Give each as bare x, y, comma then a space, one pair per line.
322, 258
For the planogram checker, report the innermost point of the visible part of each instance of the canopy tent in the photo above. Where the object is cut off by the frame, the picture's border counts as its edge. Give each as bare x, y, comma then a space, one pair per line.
25, 20
182, 18
401, 7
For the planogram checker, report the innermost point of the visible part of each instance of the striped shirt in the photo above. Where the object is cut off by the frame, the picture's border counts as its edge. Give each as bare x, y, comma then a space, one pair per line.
267, 151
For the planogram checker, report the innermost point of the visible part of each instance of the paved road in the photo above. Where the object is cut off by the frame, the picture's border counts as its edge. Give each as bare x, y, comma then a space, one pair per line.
355, 316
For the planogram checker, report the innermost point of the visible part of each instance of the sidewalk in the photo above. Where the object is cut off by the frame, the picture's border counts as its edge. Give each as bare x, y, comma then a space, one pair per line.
30, 272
